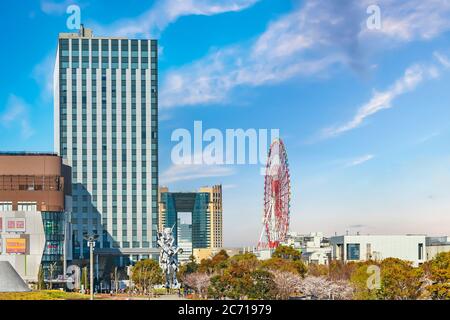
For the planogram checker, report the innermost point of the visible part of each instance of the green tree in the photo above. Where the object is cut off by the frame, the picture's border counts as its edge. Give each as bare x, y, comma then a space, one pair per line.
220, 260
359, 280
247, 261
206, 266
287, 253
437, 272
279, 264
215, 264
235, 277
317, 270
188, 268
146, 274
399, 280
219, 286
263, 285
338, 270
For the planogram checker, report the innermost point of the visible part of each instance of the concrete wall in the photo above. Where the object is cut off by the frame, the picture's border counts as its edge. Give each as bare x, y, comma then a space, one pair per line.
405, 247
434, 250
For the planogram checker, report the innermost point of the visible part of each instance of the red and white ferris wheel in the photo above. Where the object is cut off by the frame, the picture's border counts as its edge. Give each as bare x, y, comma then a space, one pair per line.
277, 194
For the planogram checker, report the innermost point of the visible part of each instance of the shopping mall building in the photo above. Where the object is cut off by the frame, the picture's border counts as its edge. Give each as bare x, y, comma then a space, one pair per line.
34, 202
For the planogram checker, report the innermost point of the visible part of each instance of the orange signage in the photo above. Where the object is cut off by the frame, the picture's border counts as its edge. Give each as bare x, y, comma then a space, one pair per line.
16, 245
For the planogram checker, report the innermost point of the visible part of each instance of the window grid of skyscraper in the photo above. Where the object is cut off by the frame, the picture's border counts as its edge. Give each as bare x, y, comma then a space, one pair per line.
106, 129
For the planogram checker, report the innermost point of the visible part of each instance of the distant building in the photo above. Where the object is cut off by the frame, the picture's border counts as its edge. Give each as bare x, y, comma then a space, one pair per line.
314, 247
263, 254
184, 241
378, 247
207, 253
436, 245
215, 215
35, 207
205, 207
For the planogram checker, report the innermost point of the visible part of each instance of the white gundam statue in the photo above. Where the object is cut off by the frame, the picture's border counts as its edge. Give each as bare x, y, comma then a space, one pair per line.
168, 257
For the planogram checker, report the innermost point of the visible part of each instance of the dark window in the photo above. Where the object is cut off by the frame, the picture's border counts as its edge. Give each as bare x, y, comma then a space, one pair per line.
353, 251
420, 247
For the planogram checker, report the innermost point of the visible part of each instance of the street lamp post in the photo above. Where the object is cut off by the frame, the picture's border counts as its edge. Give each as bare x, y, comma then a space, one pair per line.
91, 243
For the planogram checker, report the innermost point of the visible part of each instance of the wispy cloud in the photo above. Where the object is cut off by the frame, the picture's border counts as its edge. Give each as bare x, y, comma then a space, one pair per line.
413, 19
310, 40
17, 113
428, 137
183, 172
43, 74
357, 226
56, 7
412, 77
443, 60
360, 160
187, 170
164, 12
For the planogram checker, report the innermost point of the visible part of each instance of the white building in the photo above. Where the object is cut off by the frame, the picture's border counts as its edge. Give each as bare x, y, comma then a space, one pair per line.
315, 248
436, 245
378, 247
105, 100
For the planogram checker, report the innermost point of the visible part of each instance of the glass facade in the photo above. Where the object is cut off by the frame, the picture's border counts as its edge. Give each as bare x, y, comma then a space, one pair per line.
195, 202
53, 254
108, 129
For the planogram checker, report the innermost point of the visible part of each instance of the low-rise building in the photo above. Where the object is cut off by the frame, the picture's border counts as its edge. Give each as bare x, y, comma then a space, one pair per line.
35, 207
436, 245
207, 253
378, 247
314, 247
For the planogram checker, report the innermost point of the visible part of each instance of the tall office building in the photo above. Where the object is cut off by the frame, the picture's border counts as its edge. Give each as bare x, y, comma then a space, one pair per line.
205, 207
106, 125
215, 213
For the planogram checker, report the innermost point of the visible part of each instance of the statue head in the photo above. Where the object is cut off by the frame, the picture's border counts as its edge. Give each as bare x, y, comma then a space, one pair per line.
167, 234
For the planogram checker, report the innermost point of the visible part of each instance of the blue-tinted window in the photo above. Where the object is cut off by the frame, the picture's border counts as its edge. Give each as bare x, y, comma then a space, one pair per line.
353, 252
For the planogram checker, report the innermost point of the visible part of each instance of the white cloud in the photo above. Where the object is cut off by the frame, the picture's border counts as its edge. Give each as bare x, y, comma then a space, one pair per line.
55, 8
308, 41
412, 19
443, 60
164, 12
428, 137
194, 172
17, 112
360, 160
43, 74
412, 77
187, 170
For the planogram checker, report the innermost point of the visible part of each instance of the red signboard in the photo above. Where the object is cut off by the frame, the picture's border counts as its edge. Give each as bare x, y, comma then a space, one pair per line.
15, 225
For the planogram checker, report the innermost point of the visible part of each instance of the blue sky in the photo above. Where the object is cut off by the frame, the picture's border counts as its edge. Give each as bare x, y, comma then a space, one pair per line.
364, 113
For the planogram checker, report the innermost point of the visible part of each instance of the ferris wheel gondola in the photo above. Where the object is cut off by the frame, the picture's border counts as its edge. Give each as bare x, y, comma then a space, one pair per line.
276, 197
